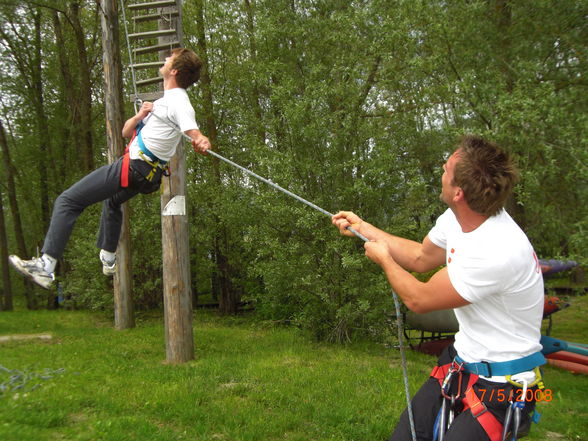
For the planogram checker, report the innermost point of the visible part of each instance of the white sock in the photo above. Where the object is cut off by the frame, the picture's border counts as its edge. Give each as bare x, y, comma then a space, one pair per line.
108, 256
49, 263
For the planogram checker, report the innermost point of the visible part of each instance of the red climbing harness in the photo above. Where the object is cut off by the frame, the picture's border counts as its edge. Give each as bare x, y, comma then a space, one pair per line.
124, 172
487, 420
145, 155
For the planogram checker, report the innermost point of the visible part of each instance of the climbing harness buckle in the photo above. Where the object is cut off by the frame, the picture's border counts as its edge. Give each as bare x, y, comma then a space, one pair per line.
538, 381
475, 409
488, 367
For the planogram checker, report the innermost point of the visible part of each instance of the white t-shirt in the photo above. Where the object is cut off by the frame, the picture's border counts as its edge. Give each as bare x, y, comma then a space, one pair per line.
494, 268
161, 139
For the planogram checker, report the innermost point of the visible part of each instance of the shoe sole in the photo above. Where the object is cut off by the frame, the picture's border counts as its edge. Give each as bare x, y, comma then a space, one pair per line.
17, 264
109, 271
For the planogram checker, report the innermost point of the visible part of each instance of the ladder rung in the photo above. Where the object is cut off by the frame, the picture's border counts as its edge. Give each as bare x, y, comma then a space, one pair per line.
147, 65
152, 34
149, 81
156, 48
147, 96
149, 17
150, 5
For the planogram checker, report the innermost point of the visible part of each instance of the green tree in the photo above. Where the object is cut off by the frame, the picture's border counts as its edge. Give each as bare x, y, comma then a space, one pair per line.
351, 105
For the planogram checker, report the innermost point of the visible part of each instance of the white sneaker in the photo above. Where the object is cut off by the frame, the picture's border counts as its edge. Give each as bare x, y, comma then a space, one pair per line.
108, 267
34, 269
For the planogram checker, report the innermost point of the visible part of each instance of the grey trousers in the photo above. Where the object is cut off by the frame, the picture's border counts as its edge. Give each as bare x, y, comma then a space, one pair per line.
103, 184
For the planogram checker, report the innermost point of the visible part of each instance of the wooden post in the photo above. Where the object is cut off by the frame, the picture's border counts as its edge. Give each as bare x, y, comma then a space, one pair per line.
177, 295
123, 301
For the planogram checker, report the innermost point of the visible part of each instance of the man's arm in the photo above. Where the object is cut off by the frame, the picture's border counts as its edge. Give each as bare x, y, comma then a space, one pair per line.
200, 143
411, 255
436, 294
131, 123
397, 256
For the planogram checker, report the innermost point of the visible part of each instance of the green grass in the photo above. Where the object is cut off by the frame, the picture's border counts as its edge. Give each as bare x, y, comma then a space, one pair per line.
248, 382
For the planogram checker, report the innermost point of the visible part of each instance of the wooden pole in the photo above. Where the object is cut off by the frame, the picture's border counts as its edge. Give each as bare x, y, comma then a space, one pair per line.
177, 294
123, 302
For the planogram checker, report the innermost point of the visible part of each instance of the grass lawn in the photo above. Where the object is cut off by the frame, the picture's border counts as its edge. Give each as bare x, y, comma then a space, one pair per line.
248, 382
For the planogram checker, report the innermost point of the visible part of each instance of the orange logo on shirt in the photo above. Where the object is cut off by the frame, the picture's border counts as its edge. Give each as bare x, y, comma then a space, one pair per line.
537, 265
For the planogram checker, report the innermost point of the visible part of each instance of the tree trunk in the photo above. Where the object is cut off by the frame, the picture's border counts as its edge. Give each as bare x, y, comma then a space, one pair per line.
6, 299
255, 95
123, 301
41, 122
72, 127
15, 211
503, 24
504, 19
85, 93
228, 302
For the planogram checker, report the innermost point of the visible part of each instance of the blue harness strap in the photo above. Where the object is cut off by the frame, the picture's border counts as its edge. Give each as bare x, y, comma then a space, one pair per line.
510, 367
146, 151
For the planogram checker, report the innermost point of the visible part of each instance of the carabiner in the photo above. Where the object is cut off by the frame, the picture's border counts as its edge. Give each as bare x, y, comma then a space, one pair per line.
507, 422
518, 407
443, 420
137, 103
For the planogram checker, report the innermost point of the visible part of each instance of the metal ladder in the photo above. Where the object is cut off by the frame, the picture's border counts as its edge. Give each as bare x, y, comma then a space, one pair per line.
156, 30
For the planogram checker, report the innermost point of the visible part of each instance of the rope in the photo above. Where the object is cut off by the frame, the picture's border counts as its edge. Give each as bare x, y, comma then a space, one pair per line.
399, 326
131, 61
24, 380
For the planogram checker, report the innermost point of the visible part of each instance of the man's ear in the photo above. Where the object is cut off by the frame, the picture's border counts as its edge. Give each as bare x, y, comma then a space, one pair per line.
458, 195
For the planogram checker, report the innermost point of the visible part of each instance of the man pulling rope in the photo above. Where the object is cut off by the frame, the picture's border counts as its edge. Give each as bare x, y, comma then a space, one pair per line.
491, 276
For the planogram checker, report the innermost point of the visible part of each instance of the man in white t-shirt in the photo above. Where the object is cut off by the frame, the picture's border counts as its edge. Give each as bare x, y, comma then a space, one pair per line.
491, 277
160, 127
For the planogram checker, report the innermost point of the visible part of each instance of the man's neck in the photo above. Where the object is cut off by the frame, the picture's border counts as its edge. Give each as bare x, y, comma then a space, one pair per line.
170, 83
468, 219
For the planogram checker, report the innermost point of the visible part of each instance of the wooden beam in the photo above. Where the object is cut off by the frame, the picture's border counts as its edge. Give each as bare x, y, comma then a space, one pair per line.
25, 337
